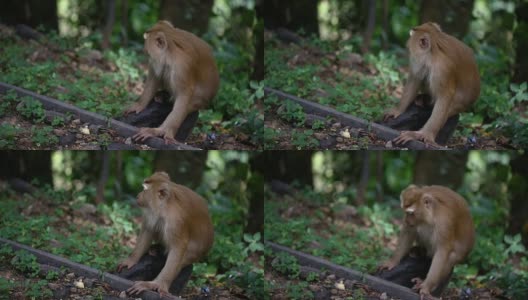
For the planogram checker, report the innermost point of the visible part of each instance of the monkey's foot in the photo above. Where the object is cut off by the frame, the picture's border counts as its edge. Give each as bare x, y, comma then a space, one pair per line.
417, 283
135, 108
407, 136
140, 286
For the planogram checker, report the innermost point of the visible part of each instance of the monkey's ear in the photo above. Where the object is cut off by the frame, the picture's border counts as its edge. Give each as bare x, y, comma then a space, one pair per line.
163, 192
427, 200
436, 26
164, 174
161, 40
425, 42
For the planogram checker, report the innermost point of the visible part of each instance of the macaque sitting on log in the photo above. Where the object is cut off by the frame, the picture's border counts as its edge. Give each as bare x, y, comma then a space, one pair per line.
446, 69
439, 220
182, 64
178, 218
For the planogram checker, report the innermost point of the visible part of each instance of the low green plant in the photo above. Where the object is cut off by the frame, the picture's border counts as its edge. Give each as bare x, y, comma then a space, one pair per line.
31, 109
26, 262
8, 133
286, 264
304, 139
299, 291
43, 137
292, 112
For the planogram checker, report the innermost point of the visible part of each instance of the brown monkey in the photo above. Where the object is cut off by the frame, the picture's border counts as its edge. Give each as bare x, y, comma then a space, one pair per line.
179, 219
447, 69
439, 220
183, 64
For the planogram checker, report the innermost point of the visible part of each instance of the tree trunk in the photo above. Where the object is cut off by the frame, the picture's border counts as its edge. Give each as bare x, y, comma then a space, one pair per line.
255, 217
30, 12
288, 166
452, 15
26, 165
109, 23
521, 39
293, 15
190, 15
258, 60
183, 167
369, 29
518, 222
445, 168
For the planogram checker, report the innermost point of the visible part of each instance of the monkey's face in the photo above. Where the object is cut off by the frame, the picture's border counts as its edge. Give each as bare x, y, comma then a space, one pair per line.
155, 191
420, 39
155, 43
416, 205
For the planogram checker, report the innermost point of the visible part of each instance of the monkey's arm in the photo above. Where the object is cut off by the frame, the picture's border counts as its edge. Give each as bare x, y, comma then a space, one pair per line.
410, 90
143, 244
405, 243
151, 87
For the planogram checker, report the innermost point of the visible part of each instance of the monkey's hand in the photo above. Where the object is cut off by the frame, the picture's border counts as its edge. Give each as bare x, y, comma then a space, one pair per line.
146, 132
140, 286
421, 286
128, 263
392, 113
388, 265
407, 136
135, 108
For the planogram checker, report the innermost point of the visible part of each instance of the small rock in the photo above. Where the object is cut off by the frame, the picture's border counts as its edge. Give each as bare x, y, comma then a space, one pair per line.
84, 130
70, 276
128, 141
59, 132
340, 286
331, 277
76, 122
336, 125
79, 284
340, 139
345, 134
53, 286
388, 145
333, 291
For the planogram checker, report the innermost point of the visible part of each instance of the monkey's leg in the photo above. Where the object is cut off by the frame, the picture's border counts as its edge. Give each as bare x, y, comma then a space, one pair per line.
176, 117
172, 267
151, 86
441, 266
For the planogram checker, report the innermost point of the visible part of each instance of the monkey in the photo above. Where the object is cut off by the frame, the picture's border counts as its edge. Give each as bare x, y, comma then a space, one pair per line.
180, 220
447, 69
438, 219
183, 64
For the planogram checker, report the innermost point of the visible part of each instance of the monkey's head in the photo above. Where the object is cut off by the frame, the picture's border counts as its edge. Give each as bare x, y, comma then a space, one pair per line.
156, 39
419, 42
417, 205
156, 192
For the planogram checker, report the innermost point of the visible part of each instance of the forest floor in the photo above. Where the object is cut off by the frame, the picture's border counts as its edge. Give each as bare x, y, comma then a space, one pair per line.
353, 237
364, 86
105, 83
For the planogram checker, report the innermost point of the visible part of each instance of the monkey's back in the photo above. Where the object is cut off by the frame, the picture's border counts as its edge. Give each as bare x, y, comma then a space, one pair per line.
457, 220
